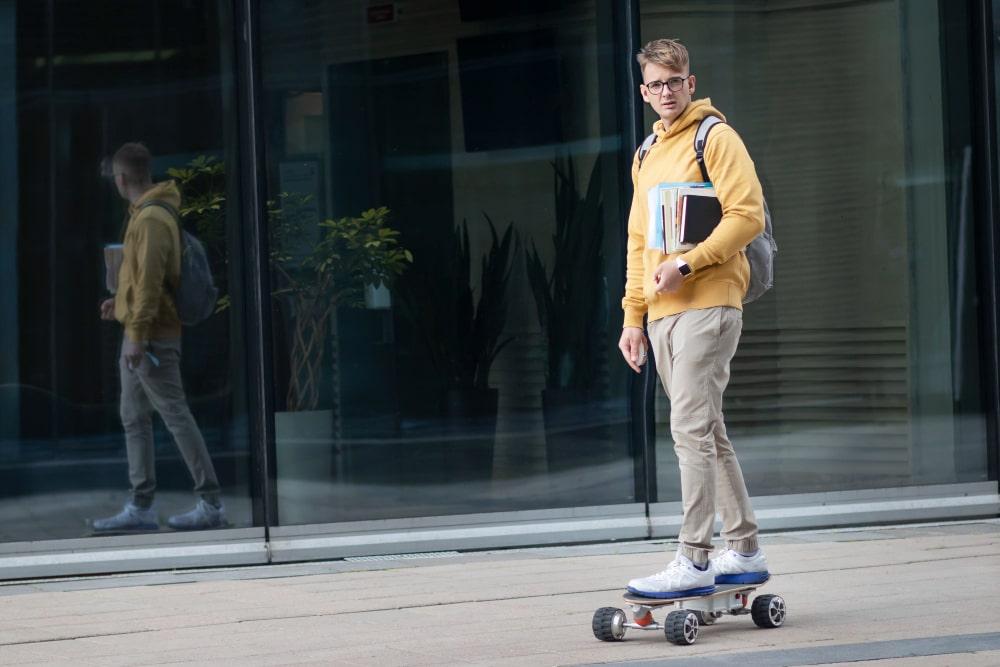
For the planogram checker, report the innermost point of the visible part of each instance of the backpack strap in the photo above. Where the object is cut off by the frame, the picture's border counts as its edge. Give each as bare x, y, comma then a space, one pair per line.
644, 148
700, 139
170, 208
176, 215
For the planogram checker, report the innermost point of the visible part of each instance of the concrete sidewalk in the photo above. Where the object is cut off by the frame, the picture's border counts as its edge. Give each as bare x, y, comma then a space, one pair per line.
903, 595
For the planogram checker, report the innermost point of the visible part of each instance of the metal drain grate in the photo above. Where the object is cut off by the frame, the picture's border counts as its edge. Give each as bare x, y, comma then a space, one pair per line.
427, 554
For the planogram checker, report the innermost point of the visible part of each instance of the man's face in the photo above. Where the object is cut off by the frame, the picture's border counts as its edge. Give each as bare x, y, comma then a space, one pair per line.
119, 177
668, 104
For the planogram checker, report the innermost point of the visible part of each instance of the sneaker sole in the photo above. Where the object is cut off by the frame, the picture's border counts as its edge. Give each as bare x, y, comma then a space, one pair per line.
691, 592
743, 578
190, 528
145, 528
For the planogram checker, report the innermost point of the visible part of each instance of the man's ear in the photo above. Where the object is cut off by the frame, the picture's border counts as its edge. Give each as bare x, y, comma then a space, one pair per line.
691, 81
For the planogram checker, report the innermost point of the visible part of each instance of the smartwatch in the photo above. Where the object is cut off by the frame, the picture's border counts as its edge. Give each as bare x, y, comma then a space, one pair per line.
683, 267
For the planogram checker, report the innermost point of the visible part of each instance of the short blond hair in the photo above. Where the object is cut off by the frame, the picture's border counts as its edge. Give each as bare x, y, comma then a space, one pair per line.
134, 161
669, 53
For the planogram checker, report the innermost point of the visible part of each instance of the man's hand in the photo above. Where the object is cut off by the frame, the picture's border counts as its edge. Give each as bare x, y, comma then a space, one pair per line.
633, 347
108, 309
133, 351
668, 276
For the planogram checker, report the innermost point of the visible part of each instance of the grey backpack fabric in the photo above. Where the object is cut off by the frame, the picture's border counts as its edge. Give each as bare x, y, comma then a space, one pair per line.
196, 293
760, 252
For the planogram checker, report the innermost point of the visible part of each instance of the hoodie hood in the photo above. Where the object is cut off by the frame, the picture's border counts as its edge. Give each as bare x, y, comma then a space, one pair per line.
696, 111
166, 191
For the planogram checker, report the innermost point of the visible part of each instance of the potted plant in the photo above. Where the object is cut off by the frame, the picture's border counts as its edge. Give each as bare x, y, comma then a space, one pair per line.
568, 297
462, 332
349, 254
318, 267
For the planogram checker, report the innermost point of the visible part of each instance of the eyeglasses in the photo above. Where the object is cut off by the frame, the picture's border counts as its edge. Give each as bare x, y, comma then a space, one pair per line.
674, 83
108, 171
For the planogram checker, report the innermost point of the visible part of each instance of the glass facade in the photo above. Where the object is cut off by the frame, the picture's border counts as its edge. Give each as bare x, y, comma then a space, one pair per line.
80, 80
442, 191
861, 369
482, 373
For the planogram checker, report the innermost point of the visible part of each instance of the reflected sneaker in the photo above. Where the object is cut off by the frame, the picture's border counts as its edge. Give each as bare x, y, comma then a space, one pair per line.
201, 517
730, 567
680, 579
132, 517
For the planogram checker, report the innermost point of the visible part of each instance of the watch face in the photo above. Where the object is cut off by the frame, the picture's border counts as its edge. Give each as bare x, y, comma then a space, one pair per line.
684, 269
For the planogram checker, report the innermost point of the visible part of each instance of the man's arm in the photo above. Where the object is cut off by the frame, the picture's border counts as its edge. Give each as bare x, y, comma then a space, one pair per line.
634, 301
152, 240
738, 189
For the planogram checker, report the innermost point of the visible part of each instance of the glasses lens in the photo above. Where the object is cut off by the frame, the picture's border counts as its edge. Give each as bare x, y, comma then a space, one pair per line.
106, 169
675, 83
655, 87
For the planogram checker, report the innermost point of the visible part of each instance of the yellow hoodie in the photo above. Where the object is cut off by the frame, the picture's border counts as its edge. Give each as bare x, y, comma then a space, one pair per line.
151, 268
720, 272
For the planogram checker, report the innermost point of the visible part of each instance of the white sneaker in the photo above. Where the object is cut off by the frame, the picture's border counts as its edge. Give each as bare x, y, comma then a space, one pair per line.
680, 579
201, 517
131, 518
730, 567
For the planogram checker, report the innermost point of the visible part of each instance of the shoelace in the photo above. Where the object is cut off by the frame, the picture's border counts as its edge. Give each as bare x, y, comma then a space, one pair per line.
728, 556
663, 574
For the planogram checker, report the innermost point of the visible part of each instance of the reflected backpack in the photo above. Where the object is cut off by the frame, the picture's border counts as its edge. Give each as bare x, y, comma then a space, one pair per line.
760, 252
196, 293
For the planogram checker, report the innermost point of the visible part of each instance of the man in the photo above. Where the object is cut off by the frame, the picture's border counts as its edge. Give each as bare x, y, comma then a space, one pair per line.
151, 350
693, 301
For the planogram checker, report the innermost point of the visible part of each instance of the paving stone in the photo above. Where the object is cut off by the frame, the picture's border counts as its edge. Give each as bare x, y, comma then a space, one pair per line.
523, 607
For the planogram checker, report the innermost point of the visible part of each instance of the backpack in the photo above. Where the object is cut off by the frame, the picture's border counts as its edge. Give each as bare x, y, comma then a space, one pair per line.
196, 294
760, 252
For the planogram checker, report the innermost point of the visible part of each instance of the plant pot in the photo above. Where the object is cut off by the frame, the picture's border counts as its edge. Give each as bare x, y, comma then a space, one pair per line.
470, 426
579, 431
304, 449
456, 446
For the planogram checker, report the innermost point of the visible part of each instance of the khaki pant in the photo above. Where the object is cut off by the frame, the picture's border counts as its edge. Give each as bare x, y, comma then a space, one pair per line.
150, 387
693, 350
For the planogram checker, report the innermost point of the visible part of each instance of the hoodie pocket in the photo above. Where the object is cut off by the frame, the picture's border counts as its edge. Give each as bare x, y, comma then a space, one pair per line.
649, 291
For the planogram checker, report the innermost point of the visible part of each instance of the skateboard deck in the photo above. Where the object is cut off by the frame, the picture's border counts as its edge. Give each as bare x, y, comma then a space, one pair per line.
720, 589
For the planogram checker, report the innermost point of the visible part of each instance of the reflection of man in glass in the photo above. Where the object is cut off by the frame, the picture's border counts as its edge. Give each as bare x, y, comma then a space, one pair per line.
694, 304
151, 349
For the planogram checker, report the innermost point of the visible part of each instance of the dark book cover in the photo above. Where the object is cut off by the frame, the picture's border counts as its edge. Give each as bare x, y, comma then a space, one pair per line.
701, 216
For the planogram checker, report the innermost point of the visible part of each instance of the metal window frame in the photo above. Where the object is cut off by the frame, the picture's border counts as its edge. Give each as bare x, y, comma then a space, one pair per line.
853, 508
461, 532
987, 207
257, 308
252, 546
132, 553
642, 388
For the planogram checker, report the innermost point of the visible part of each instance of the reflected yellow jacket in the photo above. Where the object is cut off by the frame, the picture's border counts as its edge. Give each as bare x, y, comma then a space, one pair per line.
720, 271
151, 268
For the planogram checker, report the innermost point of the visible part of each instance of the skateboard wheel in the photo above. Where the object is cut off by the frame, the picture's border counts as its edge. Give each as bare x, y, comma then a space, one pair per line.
609, 624
681, 627
768, 611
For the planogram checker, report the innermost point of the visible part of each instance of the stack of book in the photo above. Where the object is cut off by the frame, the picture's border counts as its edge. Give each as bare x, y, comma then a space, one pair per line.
682, 215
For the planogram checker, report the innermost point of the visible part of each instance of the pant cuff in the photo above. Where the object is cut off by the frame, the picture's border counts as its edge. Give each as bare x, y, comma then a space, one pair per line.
747, 545
142, 502
697, 556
